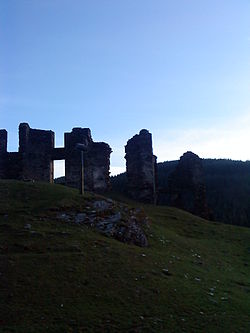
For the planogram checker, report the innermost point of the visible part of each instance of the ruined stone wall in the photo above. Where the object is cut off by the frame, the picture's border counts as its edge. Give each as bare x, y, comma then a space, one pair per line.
10, 163
96, 161
73, 156
3, 141
99, 163
36, 148
14, 166
3, 153
34, 160
141, 167
187, 187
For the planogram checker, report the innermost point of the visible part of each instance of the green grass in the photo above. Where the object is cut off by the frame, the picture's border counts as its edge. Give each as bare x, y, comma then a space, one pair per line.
60, 277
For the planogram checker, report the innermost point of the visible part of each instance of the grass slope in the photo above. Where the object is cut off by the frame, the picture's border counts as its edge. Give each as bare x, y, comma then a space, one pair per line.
60, 277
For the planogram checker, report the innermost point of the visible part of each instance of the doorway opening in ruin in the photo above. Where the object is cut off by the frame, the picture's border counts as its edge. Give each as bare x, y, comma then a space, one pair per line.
59, 169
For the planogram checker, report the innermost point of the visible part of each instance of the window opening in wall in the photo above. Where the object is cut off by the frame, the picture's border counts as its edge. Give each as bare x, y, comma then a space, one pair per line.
59, 171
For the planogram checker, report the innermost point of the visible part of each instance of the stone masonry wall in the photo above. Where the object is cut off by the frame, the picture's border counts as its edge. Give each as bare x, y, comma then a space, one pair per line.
96, 161
36, 147
34, 160
73, 156
99, 163
187, 187
141, 167
3, 152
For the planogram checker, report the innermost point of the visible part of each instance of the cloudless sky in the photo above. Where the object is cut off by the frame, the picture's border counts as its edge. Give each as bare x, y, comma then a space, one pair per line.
180, 68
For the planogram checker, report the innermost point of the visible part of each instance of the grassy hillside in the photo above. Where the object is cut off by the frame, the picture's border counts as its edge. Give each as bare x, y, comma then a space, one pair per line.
56, 276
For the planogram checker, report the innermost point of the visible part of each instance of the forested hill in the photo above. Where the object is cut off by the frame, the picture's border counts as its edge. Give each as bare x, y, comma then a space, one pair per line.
227, 183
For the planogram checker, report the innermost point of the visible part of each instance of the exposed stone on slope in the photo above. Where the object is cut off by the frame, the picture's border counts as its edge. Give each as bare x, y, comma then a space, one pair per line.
116, 221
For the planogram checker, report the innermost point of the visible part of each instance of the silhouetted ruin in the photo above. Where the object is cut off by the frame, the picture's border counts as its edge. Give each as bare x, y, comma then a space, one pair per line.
34, 160
186, 186
141, 167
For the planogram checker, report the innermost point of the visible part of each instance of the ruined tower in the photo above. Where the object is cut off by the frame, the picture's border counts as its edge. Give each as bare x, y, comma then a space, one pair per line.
96, 161
141, 167
36, 148
187, 187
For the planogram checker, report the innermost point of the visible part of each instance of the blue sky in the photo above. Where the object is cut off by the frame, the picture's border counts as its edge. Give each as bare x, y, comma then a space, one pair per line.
180, 68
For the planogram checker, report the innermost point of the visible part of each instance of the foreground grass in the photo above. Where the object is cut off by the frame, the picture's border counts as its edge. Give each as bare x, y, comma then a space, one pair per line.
58, 277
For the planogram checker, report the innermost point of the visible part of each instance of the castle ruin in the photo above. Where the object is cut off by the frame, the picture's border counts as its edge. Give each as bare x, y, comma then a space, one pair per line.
141, 167
187, 188
36, 153
34, 159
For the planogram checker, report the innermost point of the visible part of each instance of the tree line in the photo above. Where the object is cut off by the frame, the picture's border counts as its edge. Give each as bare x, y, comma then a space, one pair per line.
227, 188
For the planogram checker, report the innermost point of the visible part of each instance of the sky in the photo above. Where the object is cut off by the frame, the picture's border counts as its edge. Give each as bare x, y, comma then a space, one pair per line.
179, 68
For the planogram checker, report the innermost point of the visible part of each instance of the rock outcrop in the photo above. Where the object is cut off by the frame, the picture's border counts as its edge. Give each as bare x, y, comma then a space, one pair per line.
112, 220
186, 186
141, 167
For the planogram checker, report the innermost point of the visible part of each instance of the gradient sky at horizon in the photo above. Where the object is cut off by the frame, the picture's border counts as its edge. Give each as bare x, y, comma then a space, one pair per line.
180, 68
